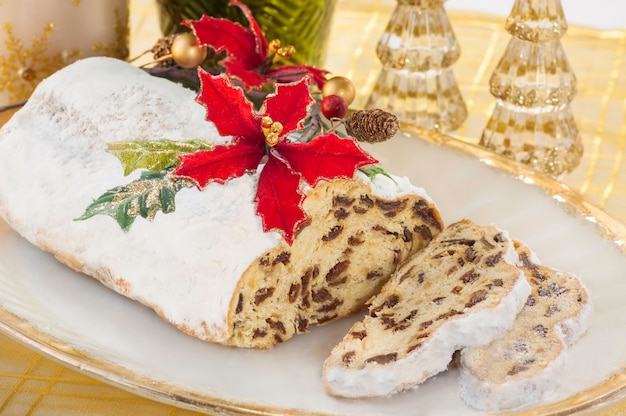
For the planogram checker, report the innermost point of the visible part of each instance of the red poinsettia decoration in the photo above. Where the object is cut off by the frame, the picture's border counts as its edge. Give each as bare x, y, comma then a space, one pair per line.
249, 56
260, 142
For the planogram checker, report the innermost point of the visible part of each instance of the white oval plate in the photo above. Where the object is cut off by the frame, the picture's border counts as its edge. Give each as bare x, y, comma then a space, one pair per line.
77, 321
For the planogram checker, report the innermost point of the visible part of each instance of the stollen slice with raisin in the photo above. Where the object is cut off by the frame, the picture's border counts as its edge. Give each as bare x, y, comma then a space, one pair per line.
464, 289
523, 366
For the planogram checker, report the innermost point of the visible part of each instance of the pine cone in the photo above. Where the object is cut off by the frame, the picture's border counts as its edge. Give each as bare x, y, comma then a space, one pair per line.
163, 48
372, 126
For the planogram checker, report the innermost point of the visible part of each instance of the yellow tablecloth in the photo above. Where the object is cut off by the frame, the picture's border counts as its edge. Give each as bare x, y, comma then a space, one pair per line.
33, 385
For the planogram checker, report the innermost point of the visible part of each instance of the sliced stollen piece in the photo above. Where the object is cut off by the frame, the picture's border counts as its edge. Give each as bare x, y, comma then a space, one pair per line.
522, 367
462, 290
208, 268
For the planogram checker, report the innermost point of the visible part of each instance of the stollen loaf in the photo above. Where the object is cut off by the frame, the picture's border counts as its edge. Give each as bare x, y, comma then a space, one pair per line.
208, 268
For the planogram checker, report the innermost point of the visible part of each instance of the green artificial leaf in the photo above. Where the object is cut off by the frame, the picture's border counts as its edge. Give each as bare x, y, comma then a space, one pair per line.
154, 155
373, 170
151, 193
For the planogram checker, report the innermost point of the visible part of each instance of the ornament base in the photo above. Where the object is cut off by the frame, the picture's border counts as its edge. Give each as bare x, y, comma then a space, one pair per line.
547, 140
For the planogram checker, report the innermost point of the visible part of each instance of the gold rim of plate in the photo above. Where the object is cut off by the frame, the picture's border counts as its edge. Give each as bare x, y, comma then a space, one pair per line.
601, 396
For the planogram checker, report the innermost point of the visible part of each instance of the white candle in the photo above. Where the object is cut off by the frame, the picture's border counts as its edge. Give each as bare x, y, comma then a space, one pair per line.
38, 38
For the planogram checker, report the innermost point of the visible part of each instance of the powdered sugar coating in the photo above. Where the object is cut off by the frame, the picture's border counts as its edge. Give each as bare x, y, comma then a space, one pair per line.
53, 160
390, 187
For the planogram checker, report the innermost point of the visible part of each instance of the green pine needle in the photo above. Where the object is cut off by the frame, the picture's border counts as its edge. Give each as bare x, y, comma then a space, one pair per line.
373, 170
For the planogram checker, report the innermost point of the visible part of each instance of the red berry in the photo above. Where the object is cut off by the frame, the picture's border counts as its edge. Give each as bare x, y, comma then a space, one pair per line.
334, 106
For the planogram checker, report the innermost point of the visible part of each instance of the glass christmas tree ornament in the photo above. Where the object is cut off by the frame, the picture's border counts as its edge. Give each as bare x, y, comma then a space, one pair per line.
417, 51
534, 84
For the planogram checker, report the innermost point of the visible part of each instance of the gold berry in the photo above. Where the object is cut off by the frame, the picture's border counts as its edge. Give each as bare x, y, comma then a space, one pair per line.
276, 127
273, 45
340, 86
186, 52
286, 51
266, 122
271, 139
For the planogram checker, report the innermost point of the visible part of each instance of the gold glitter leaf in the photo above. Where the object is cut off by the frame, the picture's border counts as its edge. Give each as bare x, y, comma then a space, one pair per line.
154, 155
145, 197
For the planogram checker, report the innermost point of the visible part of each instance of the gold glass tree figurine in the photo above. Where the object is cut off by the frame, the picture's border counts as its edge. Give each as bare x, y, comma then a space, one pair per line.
533, 84
416, 83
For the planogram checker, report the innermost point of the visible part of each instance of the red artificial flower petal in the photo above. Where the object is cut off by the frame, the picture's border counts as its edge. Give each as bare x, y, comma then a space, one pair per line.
325, 157
291, 73
222, 163
250, 79
261, 42
289, 104
225, 35
227, 107
279, 199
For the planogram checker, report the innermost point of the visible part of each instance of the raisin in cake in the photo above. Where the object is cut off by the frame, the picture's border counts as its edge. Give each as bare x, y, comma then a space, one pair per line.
522, 367
208, 268
462, 290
